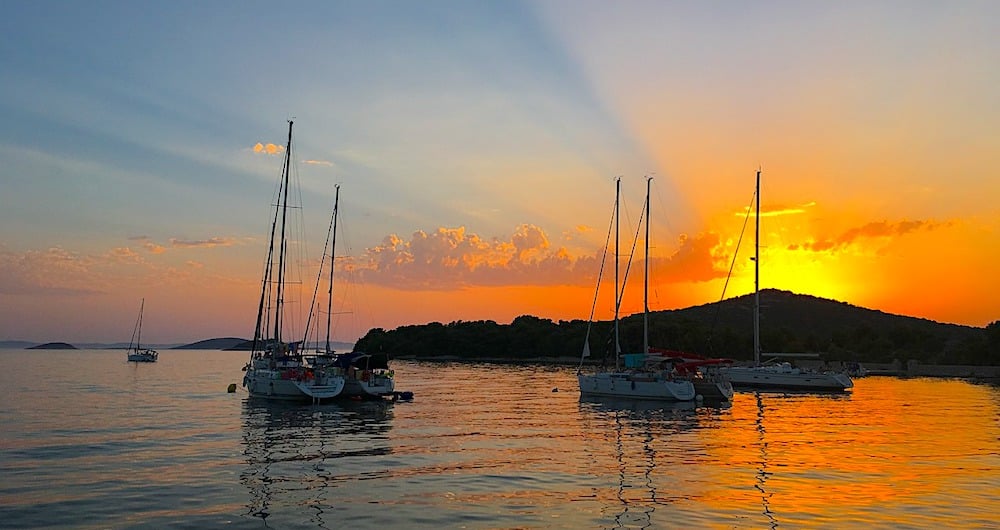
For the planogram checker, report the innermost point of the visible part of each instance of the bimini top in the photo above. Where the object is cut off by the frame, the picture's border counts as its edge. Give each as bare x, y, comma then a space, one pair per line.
363, 360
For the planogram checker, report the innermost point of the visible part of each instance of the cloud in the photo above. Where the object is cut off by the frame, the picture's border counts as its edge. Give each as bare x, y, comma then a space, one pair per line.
269, 149
696, 260
53, 271
450, 258
203, 243
873, 230
319, 163
779, 210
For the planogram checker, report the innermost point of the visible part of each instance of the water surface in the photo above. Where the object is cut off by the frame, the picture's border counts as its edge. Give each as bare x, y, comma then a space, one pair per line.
90, 441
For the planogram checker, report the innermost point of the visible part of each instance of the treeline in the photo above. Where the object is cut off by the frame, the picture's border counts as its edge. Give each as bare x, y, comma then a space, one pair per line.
789, 323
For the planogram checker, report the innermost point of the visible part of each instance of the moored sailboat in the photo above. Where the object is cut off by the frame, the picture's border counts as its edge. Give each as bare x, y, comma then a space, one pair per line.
639, 380
365, 376
778, 375
136, 353
277, 368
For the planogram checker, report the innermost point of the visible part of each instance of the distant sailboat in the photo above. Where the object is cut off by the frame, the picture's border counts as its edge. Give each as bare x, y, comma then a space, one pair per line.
136, 353
778, 375
639, 379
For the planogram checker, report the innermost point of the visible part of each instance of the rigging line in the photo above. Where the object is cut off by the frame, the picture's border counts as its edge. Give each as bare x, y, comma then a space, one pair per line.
628, 265
319, 275
597, 289
732, 264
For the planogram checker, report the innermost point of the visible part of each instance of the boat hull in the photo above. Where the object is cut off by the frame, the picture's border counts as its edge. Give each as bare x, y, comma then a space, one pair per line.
270, 384
628, 385
142, 358
714, 390
374, 387
777, 379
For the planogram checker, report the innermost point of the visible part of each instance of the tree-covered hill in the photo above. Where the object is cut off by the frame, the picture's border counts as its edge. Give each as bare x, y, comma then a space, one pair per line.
788, 323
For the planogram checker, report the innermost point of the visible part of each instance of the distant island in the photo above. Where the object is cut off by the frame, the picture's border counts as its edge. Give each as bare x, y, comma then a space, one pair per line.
789, 323
225, 343
54, 346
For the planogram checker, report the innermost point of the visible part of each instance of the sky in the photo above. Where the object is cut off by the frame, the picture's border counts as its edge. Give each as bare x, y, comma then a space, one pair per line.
476, 146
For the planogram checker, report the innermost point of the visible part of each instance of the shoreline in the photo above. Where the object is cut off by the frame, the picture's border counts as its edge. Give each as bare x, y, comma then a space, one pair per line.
910, 368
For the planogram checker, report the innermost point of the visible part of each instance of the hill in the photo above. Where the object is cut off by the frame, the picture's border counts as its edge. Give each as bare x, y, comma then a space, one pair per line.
53, 346
788, 323
225, 343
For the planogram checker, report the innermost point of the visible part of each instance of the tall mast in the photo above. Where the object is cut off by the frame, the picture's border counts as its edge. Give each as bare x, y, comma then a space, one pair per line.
756, 280
279, 298
138, 336
333, 254
645, 288
618, 187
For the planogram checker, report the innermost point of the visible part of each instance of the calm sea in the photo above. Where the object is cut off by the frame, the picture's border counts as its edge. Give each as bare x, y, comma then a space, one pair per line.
90, 441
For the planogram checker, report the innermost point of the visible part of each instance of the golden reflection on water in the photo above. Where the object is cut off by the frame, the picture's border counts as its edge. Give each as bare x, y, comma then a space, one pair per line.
484, 446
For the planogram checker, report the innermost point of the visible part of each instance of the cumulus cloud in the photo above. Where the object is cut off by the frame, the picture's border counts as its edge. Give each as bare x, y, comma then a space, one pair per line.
450, 258
698, 259
873, 230
268, 149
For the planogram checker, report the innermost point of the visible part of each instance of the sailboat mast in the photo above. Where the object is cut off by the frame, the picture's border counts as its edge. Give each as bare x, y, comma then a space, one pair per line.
279, 298
138, 336
756, 279
333, 254
618, 188
645, 288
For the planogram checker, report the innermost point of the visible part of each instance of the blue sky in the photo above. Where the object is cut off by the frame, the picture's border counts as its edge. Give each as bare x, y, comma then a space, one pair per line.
131, 125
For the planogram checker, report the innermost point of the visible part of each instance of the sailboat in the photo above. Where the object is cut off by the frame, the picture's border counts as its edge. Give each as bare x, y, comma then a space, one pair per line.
639, 379
136, 353
277, 369
365, 376
774, 374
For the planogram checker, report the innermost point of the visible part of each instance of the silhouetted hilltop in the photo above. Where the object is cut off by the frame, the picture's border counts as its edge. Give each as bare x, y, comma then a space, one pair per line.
225, 343
53, 346
788, 323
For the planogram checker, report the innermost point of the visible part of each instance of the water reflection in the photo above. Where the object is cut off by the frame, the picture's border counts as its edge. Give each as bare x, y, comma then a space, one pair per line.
297, 456
641, 431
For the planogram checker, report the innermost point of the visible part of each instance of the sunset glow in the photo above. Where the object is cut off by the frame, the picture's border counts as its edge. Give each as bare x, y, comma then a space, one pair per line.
476, 146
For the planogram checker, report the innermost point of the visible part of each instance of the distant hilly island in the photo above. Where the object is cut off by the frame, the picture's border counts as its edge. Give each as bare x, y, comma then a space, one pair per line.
789, 323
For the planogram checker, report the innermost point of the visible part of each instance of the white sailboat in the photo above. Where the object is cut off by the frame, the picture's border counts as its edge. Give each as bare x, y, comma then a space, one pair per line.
639, 379
778, 375
277, 369
365, 376
136, 353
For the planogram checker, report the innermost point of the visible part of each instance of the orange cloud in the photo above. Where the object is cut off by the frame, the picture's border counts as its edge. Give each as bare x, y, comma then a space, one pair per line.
775, 211
697, 260
450, 258
270, 149
54, 271
873, 230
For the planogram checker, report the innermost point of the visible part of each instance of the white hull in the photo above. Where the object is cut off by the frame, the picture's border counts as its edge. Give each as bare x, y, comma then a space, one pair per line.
635, 386
142, 357
271, 384
785, 378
